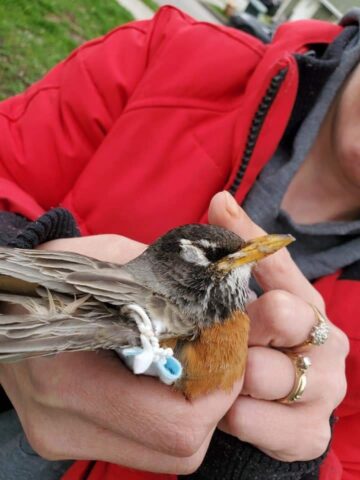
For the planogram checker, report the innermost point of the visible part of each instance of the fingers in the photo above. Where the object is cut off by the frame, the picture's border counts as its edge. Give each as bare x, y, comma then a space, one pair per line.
269, 375
278, 271
146, 411
280, 319
75, 413
108, 248
283, 318
75, 438
164, 418
285, 433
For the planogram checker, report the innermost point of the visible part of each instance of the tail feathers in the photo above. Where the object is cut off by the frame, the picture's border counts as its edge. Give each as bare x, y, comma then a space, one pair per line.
53, 325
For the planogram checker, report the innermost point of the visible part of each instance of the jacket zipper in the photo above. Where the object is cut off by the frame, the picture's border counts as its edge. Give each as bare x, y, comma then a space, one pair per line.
256, 126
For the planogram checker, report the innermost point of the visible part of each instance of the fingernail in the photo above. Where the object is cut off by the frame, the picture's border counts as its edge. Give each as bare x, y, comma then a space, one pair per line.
232, 206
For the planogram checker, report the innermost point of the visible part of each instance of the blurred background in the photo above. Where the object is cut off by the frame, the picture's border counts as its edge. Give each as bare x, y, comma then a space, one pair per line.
36, 34
280, 10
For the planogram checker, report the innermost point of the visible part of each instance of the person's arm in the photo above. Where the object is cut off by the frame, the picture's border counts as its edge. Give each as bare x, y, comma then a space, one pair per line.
48, 135
50, 132
257, 423
88, 405
82, 410
342, 292
158, 429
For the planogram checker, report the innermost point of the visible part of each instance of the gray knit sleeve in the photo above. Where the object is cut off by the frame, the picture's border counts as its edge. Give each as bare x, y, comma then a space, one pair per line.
231, 459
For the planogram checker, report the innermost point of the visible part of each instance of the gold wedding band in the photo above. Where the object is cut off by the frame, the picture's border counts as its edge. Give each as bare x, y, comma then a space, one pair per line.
301, 363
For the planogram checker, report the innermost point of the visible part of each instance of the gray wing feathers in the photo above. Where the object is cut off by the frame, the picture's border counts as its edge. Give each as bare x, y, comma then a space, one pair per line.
78, 308
48, 269
72, 273
50, 327
115, 286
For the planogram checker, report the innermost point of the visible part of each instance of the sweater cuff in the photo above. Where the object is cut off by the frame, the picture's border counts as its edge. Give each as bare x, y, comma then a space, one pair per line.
228, 458
17, 231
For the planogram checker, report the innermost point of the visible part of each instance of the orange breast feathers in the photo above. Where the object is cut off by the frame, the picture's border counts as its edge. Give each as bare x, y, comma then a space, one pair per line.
216, 359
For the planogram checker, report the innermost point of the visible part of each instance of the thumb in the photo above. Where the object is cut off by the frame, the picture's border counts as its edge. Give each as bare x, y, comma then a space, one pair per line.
225, 212
278, 271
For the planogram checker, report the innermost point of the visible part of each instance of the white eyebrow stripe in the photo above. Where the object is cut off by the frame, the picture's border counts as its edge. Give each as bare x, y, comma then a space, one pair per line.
193, 254
207, 244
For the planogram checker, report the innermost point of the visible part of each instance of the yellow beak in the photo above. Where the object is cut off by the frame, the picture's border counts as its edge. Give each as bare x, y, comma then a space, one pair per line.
253, 251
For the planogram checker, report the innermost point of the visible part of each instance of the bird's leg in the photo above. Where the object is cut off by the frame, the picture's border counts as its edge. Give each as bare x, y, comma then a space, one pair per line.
216, 359
152, 359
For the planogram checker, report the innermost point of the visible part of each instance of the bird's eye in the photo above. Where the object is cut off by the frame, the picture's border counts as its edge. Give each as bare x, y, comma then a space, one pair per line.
202, 252
212, 250
215, 254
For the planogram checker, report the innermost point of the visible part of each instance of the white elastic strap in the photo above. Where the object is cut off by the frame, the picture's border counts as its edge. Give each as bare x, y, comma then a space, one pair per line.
152, 352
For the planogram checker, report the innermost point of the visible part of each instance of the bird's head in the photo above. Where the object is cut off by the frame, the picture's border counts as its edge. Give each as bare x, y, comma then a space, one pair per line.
205, 269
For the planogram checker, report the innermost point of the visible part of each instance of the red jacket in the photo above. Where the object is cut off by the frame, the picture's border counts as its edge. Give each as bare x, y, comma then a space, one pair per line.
136, 131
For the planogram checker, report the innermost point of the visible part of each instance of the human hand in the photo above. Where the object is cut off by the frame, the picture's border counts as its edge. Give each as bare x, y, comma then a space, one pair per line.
87, 405
282, 318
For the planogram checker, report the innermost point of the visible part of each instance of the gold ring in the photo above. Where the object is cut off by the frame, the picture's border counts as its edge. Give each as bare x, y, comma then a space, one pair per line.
301, 364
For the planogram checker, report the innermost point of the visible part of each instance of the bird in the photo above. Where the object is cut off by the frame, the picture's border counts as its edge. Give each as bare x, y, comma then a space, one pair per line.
192, 282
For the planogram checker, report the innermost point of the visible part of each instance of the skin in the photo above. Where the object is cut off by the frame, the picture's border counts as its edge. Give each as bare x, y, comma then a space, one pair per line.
145, 425
330, 174
283, 318
148, 426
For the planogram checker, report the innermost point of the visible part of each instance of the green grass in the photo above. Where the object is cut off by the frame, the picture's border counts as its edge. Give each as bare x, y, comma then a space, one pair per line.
151, 4
36, 34
218, 11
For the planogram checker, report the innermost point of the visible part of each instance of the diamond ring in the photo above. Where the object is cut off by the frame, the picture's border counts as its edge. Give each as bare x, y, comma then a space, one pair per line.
319, 332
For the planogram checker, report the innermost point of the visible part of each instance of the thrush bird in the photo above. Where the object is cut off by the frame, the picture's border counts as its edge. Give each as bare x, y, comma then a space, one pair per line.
192, 283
